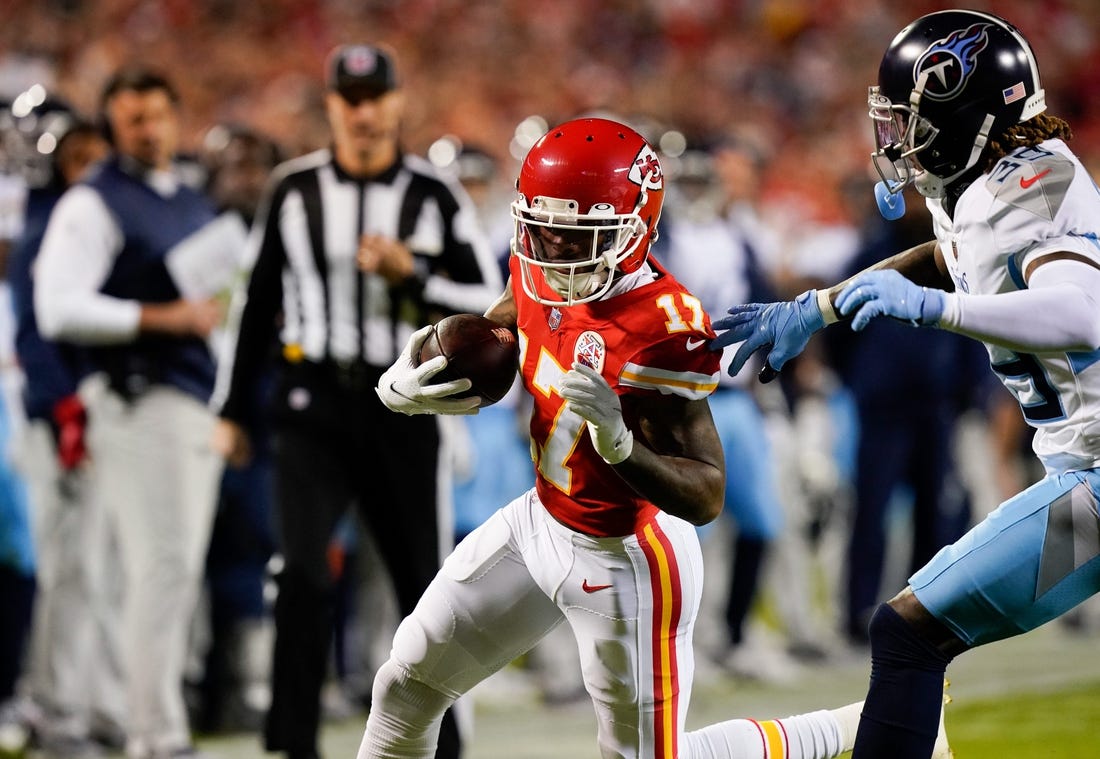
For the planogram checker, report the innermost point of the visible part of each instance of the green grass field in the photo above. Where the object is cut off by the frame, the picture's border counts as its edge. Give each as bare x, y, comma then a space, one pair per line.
1057, 725
1036, 696
1065, 723
1061, 723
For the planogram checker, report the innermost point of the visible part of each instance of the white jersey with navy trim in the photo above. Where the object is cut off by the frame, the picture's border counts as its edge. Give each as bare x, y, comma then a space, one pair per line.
1035, 201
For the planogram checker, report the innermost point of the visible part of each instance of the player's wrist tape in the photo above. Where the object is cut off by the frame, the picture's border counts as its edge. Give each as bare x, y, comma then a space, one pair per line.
952, 312
825, 305
931, 306
621, 450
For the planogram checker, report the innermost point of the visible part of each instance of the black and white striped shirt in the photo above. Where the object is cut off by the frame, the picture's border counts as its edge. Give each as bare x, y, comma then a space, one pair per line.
304, 244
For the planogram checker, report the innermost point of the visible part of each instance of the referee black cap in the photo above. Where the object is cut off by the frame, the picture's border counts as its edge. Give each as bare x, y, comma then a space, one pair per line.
360, 72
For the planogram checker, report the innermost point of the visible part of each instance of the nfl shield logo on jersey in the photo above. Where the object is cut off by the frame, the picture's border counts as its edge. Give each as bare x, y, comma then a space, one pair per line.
590, 350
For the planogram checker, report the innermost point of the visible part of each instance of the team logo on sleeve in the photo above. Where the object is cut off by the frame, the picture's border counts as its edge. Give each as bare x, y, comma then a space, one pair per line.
590, 350
948, 63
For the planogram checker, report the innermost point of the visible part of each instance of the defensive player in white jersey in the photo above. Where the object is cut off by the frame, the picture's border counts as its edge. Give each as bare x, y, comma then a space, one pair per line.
627, 462
960, 112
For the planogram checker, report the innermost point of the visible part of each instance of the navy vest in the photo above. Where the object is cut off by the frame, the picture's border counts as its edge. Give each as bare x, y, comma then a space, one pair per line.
52, 369
151, 225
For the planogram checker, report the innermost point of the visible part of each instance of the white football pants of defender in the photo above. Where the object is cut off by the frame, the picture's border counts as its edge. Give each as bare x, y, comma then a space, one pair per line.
631, 603
159, 477
74, 668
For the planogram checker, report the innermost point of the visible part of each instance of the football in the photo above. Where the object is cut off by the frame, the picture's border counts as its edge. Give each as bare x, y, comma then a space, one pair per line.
477, 349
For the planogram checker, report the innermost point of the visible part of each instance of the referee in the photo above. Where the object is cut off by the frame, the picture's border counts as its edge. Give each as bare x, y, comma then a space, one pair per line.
358, 246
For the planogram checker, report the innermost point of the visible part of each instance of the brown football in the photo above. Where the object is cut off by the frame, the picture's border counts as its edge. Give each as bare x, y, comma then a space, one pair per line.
476, 348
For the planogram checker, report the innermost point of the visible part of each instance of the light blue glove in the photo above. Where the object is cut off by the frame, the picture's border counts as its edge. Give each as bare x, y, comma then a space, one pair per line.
888, 293
595, 402
781, 328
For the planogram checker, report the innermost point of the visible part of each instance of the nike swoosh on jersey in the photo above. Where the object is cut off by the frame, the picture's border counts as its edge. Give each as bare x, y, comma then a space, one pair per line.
1025, 183
692, 343
593, 588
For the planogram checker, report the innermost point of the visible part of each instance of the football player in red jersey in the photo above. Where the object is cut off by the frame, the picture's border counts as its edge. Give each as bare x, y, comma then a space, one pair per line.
627, 460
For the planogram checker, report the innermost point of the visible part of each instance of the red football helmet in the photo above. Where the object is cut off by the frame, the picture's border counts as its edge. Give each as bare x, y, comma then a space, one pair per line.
590, 195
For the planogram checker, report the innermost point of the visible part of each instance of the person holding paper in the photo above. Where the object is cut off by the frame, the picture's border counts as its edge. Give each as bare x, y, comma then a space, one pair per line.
104, 281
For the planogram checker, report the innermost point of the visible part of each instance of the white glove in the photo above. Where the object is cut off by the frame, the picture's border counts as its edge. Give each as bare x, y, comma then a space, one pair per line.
593, 400
406, 388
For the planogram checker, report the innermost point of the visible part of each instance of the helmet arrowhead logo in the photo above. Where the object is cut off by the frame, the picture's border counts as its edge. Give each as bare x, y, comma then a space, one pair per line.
646, 170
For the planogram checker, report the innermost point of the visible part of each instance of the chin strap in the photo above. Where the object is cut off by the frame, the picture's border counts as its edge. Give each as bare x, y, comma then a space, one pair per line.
931, 186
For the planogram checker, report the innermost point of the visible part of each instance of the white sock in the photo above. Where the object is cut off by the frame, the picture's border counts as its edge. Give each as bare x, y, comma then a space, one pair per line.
818, 735
847, 719
941, 750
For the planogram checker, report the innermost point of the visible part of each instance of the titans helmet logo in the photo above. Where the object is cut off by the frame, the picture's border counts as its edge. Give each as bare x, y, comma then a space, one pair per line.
946, 65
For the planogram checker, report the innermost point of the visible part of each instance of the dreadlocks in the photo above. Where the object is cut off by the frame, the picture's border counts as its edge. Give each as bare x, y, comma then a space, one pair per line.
1030, 133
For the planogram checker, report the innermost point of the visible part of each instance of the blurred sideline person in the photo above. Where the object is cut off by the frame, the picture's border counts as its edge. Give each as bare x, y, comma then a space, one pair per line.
17, 591
491, 450
908, 411
803, 423
234, 688
358, 246
482, 177
628, 463
75, 670
704, 247
127, 269
959, 112
17, 560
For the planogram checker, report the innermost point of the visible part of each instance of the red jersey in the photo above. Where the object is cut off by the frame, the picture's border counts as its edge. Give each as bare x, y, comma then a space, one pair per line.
651, 339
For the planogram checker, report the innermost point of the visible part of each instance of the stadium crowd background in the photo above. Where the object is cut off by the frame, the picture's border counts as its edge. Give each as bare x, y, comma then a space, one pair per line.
791, 74
787, 77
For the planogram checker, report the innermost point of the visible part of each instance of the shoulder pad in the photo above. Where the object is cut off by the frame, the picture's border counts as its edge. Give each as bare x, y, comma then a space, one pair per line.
1034, 180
